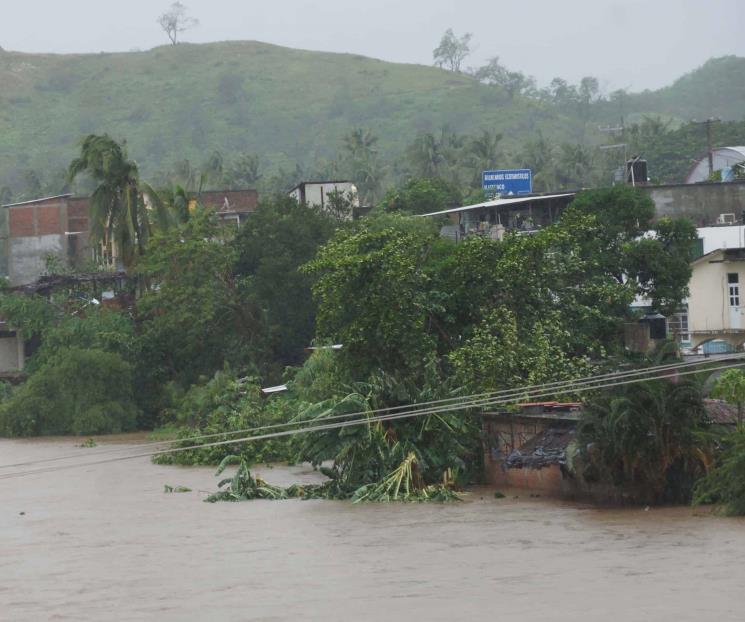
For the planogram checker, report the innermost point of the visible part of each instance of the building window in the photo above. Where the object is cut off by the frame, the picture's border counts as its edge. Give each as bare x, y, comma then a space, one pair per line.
733, 280
678, 325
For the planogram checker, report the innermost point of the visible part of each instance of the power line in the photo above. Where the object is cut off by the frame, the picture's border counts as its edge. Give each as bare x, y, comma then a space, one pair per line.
367, 420
582, 383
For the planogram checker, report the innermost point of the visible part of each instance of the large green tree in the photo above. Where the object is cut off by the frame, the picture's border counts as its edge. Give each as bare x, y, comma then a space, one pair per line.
278, 238
192, 318
396, 295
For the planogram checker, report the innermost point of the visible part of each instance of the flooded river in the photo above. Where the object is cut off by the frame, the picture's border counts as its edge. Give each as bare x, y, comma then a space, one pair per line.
106, 543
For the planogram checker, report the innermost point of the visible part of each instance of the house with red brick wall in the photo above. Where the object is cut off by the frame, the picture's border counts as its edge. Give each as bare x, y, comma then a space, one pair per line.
230, 206
35, 232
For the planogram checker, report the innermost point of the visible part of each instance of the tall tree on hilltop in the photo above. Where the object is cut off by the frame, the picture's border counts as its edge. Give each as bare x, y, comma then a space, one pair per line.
175, 20
452, 50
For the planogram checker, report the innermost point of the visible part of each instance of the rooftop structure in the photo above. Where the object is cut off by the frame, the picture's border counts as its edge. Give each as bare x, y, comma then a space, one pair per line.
723, 159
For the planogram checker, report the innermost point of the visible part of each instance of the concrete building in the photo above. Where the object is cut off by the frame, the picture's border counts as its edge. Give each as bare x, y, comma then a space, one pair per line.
317, 193
704, 204
535, 449
33, 233
716, 306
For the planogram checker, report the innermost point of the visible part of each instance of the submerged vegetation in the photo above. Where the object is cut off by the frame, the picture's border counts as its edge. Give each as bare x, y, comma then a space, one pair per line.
403, 484
724, 485
650, 438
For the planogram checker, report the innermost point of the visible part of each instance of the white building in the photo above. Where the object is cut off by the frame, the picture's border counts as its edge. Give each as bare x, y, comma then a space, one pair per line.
317, 193
716, 307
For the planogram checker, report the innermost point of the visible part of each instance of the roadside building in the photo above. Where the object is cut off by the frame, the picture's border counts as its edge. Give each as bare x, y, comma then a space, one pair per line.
535, 449
706, 205
716, 308
494, 218
527, 449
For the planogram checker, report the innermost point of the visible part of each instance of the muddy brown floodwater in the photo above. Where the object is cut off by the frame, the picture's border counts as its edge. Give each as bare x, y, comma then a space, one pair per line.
106, 543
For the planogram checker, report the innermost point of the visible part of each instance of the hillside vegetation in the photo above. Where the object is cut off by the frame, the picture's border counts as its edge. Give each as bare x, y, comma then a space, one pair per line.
291, 107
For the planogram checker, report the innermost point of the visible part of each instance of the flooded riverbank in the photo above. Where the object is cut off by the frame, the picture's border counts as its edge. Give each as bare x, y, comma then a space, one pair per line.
106, 543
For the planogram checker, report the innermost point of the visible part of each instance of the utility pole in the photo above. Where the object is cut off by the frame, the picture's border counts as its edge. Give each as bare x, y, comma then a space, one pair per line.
619, 129
709, 145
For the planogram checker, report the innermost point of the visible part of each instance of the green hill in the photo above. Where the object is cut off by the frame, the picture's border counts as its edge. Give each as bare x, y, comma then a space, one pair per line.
716, 89
289, 106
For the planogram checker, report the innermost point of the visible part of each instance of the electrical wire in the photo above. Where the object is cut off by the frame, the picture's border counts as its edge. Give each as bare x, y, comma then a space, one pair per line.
344, 424
584, 383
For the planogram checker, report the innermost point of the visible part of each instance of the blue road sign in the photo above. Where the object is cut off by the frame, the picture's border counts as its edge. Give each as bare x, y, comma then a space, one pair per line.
515, 181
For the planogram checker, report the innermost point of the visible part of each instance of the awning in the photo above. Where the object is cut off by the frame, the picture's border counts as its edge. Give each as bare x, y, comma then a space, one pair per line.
502, 203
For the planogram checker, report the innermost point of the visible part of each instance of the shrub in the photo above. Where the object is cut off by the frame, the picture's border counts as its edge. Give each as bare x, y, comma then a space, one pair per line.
218, 407
648, 437
725, 483
75, 391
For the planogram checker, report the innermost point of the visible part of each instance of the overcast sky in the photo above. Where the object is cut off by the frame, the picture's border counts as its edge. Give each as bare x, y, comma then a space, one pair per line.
631, 43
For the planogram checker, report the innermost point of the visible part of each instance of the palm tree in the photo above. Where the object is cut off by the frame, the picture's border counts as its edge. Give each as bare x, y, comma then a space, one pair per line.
364, 164
483, 153
117, 214
636, 435
360, 143
426, 154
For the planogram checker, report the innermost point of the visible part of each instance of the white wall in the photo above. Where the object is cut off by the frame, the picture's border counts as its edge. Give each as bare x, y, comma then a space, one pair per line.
722, 237
11, 354
316, 194
708, 303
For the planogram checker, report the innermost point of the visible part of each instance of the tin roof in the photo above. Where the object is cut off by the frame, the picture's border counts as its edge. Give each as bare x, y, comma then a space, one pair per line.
41, 200
502, 203
547, 448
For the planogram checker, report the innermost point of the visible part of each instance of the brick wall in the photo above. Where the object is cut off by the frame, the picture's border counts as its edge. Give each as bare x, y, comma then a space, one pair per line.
77, 215
38, 218
21, 222
48, 220
238, 200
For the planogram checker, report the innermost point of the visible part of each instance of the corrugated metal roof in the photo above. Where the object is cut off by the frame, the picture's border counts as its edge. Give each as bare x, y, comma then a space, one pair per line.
502, 202
56, 196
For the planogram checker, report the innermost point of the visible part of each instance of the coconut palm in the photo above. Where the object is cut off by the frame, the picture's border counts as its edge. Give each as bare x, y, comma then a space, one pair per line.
426, 155
360, 143
637, 436
483, 153
364, 165
117, 213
